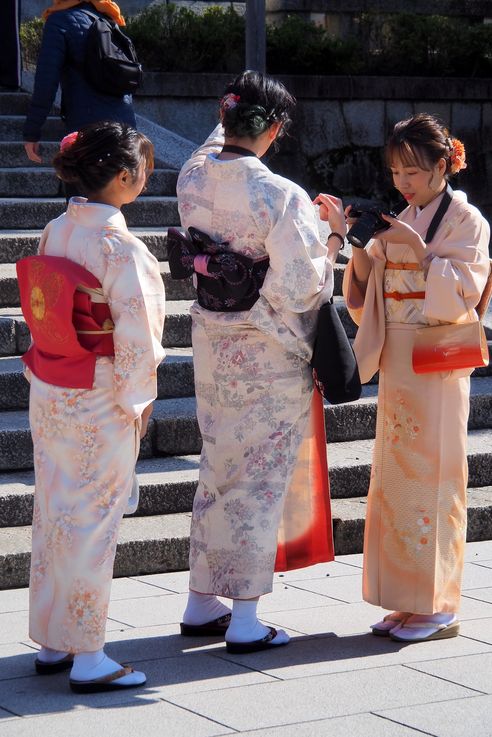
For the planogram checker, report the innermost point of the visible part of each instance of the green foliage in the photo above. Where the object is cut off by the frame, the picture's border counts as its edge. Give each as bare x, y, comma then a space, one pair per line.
300, 47
172, 39
418, 45
30, 36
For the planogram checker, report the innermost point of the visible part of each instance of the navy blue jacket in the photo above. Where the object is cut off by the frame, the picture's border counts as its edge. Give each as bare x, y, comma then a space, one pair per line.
61, 56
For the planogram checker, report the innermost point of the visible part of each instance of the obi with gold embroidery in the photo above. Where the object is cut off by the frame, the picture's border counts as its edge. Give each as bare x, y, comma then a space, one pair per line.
69, 319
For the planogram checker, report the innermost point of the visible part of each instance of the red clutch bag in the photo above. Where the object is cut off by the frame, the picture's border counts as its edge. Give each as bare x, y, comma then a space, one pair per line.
455, 346
449, 347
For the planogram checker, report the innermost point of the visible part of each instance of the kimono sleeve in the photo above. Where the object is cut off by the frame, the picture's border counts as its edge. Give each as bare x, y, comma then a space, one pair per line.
213, 144
458, 273
135, 292
300, 276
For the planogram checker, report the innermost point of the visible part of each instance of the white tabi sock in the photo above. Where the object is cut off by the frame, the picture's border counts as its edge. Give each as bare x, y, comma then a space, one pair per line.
245, 626
47, 655
90, 666
203, 608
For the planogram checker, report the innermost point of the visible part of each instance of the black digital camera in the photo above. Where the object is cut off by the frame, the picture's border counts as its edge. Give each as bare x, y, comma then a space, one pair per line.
369, 222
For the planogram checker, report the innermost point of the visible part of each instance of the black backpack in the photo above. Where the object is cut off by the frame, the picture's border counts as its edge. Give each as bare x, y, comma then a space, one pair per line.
110, 65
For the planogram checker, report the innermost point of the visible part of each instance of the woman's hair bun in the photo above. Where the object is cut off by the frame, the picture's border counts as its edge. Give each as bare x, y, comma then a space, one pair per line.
98, 152
252, 103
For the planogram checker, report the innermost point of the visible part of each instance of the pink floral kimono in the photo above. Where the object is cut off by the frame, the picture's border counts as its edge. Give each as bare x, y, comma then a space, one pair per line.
416, 515
86, 441
263, 496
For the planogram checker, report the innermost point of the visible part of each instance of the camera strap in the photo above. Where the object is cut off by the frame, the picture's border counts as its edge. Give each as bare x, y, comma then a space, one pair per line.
440, 212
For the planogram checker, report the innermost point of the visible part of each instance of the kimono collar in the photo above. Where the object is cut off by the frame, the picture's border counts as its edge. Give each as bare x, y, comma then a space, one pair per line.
420, 218
232, 169
90, 214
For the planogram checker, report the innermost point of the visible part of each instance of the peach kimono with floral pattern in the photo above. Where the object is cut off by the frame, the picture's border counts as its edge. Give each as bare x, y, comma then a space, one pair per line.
86, 441
416, 515
262, 496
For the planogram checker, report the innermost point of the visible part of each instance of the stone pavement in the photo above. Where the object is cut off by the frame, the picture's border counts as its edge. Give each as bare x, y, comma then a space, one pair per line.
333, 679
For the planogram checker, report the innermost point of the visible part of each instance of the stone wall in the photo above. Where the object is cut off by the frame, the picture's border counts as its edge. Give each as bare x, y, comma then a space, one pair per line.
341, 125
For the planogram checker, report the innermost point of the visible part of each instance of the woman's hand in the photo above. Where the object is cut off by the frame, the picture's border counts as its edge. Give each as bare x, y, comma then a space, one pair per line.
331, 210
145, 419
32, 151
404, 234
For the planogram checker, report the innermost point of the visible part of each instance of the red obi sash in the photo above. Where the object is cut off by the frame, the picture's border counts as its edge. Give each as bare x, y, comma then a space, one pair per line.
69, 320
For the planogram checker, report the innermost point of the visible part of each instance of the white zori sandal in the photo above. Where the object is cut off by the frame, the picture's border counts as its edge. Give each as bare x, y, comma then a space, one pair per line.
389, 622
422, 630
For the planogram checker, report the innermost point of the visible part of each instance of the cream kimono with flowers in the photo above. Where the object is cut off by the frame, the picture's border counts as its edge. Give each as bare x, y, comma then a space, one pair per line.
259, 483
416, 515
86, 441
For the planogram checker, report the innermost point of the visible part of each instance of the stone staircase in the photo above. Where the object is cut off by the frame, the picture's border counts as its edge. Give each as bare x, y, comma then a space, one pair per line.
156, 538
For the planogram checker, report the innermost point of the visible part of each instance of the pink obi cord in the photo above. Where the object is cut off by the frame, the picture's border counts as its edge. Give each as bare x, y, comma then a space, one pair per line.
200, 264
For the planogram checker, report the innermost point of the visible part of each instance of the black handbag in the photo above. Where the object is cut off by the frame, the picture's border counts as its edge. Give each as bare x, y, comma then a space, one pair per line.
334, 365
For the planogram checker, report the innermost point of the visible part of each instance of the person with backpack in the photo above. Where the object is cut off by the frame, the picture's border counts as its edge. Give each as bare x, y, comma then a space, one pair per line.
82, 46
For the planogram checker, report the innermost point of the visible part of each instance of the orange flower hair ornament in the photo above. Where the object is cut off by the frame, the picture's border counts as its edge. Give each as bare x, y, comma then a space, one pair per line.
457, 155
68, 141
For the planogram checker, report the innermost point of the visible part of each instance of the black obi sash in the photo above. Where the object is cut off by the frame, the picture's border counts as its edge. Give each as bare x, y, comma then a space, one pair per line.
226, 281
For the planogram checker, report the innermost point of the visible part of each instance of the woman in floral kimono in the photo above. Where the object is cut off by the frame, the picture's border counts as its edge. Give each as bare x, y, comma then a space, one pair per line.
262, 497
88, 412
416, 517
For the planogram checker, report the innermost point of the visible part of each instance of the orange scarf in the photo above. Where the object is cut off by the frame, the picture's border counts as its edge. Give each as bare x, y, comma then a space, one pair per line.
108, 7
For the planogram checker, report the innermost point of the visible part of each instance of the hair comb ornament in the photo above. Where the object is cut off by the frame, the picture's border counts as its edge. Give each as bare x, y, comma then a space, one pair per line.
68, 141
229, 101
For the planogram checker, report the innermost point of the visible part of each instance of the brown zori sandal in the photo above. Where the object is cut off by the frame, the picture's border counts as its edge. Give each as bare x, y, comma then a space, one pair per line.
105, 683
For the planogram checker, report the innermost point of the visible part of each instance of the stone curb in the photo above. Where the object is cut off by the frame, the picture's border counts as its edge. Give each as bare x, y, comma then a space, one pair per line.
173, 431
31, 213
43, 182
160, 544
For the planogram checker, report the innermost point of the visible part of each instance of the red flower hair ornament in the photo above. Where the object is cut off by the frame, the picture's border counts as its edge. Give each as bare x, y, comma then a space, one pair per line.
68, 141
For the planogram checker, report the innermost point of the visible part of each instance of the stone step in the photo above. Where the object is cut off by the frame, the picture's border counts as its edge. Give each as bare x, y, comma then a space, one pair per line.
175, 289
146, 545
160, 544
12, 153
35, 212
16, 244
175, 378
349, 516
42, 182
14, 103
15, 336
168, 484
11, 128
174, 431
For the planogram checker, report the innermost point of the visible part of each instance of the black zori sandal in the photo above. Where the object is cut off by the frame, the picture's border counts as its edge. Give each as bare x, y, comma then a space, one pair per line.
105, 683
47, 669
253, 647
215, 628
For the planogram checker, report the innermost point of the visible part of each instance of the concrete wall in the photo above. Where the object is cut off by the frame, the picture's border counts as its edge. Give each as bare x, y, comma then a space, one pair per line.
341, 125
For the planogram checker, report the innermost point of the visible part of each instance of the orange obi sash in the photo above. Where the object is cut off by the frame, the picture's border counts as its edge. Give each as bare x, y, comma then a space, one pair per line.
69, 320
402, 267
404, 295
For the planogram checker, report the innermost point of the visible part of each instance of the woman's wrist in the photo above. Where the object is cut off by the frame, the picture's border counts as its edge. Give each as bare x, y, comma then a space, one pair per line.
419, 248
338, 236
